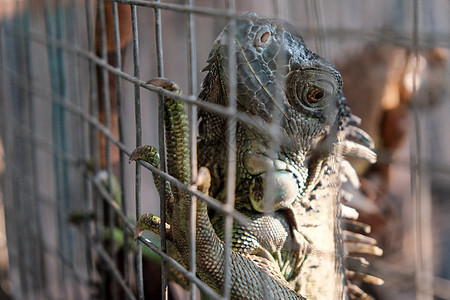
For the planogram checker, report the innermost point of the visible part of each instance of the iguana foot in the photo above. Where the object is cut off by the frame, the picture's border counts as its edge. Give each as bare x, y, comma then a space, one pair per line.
146, 153
151, 223
166, 84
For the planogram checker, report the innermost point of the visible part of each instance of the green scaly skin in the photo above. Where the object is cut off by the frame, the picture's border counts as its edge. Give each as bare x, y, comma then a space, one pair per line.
248, 280
291, 193
293, 244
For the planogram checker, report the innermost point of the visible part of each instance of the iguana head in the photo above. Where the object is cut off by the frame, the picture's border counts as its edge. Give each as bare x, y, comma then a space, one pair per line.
281, 81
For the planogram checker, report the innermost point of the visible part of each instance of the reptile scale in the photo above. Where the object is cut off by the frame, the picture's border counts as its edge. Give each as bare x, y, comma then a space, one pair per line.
299, 241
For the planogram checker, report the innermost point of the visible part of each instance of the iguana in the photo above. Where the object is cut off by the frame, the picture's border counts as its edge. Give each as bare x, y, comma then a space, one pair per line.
292, 245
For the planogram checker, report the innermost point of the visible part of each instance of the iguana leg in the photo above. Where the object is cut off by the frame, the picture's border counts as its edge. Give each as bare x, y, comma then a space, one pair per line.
150, 155
151, 222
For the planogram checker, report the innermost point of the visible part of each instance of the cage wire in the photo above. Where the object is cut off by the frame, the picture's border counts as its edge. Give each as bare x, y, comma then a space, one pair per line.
75, 103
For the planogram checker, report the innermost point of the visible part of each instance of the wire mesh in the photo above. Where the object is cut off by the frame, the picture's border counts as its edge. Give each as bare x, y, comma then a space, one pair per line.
75, 102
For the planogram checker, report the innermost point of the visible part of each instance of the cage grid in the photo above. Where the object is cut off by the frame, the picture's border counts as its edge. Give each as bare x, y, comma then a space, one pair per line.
75, 102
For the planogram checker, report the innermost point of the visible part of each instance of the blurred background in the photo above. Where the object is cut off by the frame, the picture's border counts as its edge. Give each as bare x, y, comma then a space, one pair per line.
72, 108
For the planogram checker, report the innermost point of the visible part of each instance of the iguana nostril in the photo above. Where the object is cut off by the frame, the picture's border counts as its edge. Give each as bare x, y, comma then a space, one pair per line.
262, 38
265, 37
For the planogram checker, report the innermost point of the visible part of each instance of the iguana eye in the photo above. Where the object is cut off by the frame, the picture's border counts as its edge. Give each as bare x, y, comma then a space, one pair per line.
315, 94
310, 89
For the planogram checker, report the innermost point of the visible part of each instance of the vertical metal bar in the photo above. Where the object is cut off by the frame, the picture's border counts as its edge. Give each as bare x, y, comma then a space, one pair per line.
118, 59
53, 27
66, 135
107, 112
2, 85
11, 212
28, 147
162, 152
274, 133
64, 131
91, 147
2, 89
137, 112
231, 168
421, 203
84, 147
93, 89
279, 8
105, 81
192, 65
159, 48
315, 16
106, 99
36, 219
16, 150
5, 182
95, 143
274, 128
320, 27
71, 13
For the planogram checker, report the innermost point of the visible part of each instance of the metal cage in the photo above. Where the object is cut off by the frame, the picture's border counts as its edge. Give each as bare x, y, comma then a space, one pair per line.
74, 103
